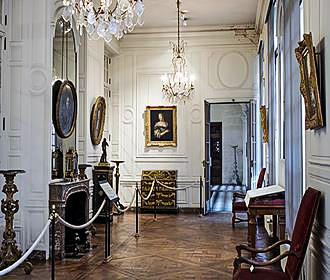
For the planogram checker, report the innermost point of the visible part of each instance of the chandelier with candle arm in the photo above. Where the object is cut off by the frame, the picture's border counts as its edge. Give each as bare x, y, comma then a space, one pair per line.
112, 18
178, 85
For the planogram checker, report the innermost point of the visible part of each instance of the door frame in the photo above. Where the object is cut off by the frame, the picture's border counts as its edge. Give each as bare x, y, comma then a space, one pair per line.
218, 124
241, 100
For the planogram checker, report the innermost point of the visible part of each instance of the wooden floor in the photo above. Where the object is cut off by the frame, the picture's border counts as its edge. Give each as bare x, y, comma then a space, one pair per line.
222, 197
173, 247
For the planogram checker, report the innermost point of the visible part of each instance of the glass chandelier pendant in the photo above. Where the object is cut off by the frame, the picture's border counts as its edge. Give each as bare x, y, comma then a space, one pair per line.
178, 85
113, 18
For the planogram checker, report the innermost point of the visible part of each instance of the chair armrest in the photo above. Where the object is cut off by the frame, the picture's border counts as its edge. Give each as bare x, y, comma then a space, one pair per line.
239, 260
239, 248
239, 195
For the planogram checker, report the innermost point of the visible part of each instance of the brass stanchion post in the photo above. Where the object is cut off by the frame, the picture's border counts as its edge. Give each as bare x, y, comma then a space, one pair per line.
155, 214
136, 211
107, 253
53, 242
200, 196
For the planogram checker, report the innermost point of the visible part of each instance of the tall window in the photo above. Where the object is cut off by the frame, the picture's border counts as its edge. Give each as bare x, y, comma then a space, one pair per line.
279, 92
107, 78
2, 42
107, 90
303, 148
3, 24
261, 97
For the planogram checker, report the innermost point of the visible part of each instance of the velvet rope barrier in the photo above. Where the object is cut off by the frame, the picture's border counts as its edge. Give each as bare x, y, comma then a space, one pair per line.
84, 225
128, 207
27, 253
150, 192
175, 189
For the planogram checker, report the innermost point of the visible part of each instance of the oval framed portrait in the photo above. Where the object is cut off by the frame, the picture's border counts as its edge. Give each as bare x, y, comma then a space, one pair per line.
97, 120
64, 108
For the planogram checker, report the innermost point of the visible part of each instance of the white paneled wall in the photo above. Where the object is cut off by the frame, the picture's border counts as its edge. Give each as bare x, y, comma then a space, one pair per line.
317, 145
224, 68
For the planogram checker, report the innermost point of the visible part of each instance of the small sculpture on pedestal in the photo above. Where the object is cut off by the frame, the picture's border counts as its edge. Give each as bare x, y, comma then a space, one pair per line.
103, 159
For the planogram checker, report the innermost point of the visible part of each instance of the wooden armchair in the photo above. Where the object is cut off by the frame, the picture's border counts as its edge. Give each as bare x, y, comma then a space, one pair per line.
239, 205
296, 253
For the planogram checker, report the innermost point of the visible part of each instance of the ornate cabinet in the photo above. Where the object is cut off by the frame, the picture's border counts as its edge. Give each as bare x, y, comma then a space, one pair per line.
165, 198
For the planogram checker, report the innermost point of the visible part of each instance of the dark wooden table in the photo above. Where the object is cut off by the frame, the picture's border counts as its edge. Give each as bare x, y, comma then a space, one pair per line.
275, 207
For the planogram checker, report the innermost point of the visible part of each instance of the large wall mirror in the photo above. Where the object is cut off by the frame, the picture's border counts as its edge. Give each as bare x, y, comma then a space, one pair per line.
64, 96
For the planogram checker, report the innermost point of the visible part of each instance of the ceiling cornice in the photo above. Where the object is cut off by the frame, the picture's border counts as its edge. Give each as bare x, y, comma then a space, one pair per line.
191, 29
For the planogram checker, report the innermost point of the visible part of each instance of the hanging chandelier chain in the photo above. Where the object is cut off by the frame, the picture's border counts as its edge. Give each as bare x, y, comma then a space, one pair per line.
178, 85
178, 7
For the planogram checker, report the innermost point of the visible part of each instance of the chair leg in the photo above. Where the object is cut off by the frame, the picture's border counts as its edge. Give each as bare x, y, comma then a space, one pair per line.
233, 220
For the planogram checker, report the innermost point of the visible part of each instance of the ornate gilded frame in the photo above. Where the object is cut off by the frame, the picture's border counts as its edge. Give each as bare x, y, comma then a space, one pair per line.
263, 115
97, 120
149, 130
58, 92
309, 88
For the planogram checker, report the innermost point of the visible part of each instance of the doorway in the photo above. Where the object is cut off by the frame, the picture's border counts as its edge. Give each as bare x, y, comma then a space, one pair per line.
228, 152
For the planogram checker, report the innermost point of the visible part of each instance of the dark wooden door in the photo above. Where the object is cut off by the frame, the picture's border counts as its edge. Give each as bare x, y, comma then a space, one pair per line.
206, 161
216, 153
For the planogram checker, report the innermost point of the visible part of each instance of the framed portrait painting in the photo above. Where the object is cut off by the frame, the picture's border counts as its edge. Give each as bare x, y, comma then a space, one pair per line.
64, 108
161, 127
97, 120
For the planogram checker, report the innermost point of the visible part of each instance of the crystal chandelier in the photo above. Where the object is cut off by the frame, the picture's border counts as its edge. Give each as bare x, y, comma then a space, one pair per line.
111, 18
178, 85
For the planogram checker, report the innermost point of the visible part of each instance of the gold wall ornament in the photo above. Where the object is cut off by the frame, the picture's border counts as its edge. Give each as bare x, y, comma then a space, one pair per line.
161, 127
309, 88
263, 114
97, 120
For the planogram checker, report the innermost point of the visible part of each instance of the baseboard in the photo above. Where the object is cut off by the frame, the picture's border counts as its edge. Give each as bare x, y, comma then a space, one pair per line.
189, 210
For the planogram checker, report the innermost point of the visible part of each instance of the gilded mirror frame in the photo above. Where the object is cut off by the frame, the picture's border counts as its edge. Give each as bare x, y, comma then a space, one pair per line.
264, 125
97, 120
309, 87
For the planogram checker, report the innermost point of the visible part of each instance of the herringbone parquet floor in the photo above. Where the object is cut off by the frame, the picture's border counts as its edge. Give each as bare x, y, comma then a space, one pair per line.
173, 247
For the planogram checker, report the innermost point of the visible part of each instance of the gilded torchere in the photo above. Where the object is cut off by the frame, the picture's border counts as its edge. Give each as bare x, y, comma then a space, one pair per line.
9, 251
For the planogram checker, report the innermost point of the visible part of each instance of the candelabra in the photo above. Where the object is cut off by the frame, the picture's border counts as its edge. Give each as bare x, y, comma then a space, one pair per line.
9, 251
235, 170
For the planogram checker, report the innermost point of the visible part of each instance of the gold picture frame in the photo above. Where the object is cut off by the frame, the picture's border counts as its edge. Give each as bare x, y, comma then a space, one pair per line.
161, 126
309, 87
97, 120
263, 115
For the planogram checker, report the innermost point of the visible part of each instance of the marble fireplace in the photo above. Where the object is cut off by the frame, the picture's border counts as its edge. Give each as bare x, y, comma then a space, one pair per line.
71, 200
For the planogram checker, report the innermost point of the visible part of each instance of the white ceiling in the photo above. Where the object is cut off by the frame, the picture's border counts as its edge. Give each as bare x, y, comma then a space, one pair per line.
162, 13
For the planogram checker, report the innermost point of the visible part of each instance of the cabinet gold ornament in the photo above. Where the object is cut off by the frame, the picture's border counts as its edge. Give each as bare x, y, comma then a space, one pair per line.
309, 88
263, 115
